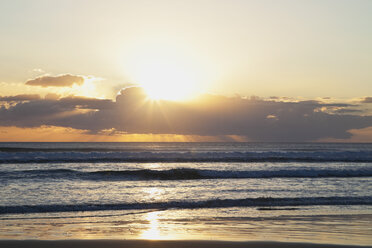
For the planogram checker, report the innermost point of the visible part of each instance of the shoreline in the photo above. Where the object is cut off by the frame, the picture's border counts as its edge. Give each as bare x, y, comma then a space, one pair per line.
162, 244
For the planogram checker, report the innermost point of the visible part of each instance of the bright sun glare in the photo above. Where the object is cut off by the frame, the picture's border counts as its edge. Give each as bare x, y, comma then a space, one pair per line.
167, 81
167, 74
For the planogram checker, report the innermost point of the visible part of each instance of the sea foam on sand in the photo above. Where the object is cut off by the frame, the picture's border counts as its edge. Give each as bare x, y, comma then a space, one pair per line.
158, 244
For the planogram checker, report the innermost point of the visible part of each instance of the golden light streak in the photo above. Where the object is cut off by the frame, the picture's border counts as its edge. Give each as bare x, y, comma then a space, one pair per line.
63, 134
153, 231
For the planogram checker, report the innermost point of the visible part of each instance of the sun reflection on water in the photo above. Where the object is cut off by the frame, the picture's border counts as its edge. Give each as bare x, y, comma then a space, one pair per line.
153, 232
153, 166
153, 194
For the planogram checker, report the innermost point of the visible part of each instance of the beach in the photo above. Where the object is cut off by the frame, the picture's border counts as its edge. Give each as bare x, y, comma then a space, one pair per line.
160, 244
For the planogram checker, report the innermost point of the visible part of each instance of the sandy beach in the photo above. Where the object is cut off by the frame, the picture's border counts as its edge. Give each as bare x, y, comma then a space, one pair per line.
158, 244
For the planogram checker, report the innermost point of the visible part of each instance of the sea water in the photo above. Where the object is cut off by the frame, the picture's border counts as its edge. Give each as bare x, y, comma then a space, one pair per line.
307, 192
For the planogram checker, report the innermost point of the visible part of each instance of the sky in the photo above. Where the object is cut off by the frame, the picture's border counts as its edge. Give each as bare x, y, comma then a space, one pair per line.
169, 70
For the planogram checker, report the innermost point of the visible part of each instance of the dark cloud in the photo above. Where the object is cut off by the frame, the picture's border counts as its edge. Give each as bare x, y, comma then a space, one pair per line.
51, 111
23, 97
85, 103
344, 110
52, 96
66, 80
210, 115
367, 100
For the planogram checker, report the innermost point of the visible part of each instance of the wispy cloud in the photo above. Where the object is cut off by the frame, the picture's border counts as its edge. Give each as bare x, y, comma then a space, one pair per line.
367, 100
66, 80
21, 97
38, 70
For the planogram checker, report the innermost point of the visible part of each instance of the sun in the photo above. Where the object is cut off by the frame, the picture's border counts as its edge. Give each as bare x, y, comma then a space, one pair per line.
168, 82
163, 80
166, 72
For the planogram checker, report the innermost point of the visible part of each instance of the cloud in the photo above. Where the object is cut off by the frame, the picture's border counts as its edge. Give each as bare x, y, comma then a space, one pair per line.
23, 97
367, 100
253, 119
343, 110
52, 96
64, 112
38, 70
66, 80
85, 103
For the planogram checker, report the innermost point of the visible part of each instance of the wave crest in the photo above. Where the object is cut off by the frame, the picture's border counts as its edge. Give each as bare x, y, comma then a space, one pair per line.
147, 156
184, 174
214, 203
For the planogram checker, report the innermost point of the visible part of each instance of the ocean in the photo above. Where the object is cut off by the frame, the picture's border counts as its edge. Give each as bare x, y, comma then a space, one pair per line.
306, 192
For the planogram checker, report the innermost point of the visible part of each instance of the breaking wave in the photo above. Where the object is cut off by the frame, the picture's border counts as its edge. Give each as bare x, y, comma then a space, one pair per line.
215, 203
183, 174
20, 155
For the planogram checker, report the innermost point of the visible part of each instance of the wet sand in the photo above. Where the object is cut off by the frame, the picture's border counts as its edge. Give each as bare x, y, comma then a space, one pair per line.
158, 244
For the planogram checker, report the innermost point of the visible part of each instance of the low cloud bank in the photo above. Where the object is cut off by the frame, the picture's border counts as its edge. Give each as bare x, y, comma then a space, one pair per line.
210, 115
367, 100
22, 97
